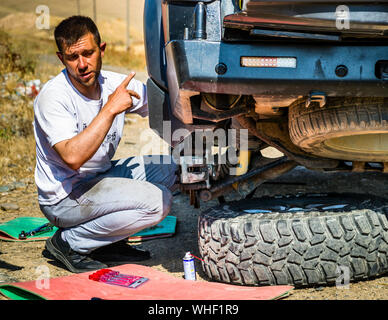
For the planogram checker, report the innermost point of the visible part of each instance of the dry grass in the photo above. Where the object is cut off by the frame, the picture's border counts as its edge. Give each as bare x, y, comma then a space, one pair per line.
16, 113
29, 53
18, 160
111, 10
40, 43
126, 59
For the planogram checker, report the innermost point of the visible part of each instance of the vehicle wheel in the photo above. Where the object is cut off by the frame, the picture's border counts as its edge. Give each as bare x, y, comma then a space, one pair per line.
295, 240
354, 129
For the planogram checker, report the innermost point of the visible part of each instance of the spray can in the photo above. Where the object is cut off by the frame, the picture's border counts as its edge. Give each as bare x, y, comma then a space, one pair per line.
189, 266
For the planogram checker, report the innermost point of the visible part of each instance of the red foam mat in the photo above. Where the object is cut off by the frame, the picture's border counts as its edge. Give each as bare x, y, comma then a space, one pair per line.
160, 286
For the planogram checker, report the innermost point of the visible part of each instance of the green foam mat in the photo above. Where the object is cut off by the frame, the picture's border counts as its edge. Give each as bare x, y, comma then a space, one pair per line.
10, 230
15, 293
165, 228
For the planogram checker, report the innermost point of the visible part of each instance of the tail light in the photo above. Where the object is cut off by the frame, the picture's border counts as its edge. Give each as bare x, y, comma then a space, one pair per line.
268, 62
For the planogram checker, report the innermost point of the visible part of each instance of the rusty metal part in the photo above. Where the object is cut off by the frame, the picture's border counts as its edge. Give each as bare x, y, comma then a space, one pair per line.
276, 135
220, 116
182, 107
247, 186
193, 169
316, 97
265, 171
201, 110
192, 186
271, 105
194, 201
207, 195
358, 166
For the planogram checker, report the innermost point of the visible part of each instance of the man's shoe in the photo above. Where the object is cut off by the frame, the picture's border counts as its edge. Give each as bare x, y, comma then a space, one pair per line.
119, 253
74, 261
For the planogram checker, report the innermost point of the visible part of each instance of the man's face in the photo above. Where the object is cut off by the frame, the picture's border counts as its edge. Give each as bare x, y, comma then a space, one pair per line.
83, 60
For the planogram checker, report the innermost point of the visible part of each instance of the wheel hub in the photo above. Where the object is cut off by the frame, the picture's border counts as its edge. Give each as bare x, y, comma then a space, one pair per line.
363, 144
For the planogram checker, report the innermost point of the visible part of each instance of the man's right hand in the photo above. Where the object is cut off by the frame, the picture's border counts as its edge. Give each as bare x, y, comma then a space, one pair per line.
121, 99
79, 149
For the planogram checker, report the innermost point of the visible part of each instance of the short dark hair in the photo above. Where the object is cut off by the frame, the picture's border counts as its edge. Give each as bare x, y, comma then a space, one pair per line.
70, 30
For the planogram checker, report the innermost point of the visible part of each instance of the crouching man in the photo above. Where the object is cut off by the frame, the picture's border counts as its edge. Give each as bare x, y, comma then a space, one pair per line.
95, 202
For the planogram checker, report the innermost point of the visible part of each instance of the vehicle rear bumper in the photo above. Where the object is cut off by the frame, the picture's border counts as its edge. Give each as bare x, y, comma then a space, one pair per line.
192, 67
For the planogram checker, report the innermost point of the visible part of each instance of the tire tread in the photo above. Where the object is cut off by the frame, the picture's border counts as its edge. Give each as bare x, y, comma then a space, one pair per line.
302, 251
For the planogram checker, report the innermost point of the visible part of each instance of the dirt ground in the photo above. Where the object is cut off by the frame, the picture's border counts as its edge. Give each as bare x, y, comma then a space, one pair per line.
20, 261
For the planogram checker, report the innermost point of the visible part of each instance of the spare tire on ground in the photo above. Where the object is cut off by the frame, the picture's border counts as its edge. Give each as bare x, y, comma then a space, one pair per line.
302, 241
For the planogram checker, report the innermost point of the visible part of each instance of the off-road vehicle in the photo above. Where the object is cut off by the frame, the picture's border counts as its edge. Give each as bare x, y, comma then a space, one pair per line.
308, 78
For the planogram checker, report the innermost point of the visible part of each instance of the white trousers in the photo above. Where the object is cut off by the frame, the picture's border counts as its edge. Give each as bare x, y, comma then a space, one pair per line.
133, 195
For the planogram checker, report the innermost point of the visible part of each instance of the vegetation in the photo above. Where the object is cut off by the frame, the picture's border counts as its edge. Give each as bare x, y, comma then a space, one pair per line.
27, 53
16, 113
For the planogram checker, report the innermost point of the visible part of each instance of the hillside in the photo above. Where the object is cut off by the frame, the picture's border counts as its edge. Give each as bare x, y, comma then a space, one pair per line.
19, 17
106, 10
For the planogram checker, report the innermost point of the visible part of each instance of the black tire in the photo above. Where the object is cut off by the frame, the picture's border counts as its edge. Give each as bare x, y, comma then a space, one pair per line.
317, 130
305, 248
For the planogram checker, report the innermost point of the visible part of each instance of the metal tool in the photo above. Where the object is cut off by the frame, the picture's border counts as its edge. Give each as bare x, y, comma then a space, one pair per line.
43, 228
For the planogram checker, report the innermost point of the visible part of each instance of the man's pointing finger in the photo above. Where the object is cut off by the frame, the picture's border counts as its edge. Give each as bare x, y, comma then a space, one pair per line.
128, 79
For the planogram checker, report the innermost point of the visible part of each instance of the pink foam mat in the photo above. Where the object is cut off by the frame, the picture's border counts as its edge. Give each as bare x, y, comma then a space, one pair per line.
160, 286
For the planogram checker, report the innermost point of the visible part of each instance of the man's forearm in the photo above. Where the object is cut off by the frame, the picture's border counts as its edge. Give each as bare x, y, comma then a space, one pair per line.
79, 149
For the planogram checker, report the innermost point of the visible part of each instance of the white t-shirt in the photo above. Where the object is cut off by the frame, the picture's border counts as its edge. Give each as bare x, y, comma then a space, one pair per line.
60, 113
